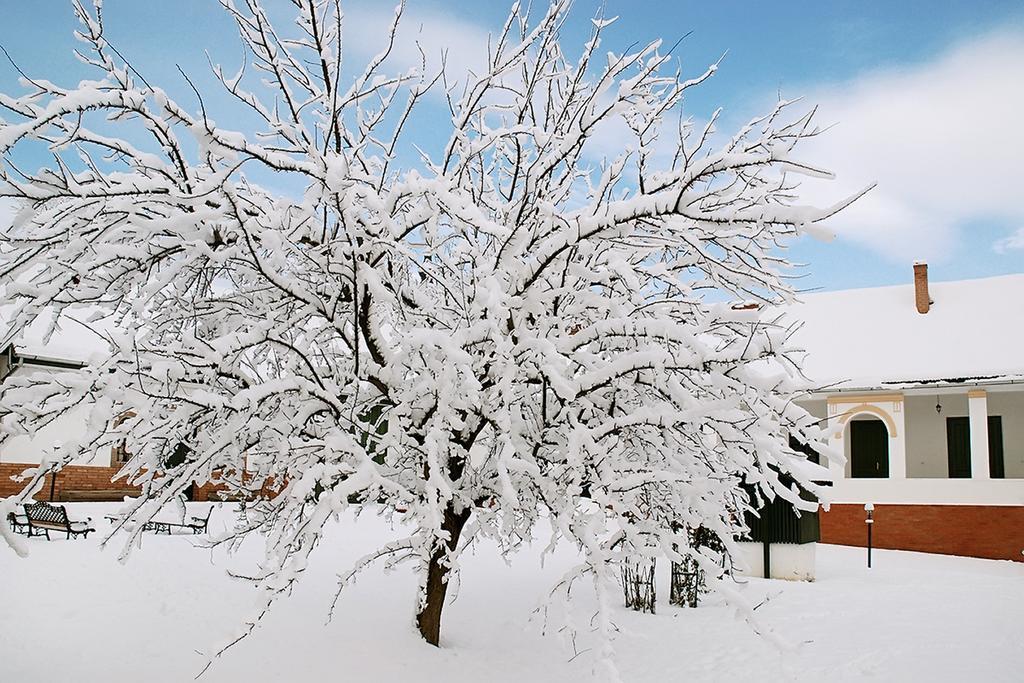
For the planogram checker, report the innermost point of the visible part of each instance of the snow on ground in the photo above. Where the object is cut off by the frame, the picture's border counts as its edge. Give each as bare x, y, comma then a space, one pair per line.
71, 611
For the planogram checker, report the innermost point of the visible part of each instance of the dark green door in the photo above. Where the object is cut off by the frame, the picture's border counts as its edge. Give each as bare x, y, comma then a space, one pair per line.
869, 449
996, 467
958, 447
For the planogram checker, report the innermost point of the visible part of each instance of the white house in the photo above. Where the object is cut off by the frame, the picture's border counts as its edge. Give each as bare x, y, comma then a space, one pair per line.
922, 387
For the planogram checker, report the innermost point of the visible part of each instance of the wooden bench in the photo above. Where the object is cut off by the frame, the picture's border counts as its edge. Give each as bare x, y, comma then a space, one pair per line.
42, 518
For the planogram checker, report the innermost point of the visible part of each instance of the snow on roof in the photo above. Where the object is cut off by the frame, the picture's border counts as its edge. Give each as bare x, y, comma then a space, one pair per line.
73, 340
868, 338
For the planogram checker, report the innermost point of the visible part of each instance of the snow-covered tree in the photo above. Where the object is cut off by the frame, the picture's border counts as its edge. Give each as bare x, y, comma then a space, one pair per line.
506, 329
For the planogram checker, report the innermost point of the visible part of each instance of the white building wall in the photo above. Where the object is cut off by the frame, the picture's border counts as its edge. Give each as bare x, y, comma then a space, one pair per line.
789, 561
68, 428
931, 491
818, 408
926, 434
32, 448
927, 457
927, 481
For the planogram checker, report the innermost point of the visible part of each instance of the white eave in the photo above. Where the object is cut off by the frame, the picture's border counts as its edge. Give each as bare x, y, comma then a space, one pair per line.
928, 386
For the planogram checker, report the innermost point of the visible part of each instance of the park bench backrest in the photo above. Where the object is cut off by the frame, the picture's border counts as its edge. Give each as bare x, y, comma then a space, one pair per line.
199, 524
45, 513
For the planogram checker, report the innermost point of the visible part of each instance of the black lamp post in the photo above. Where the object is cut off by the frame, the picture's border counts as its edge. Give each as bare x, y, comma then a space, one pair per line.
869, 508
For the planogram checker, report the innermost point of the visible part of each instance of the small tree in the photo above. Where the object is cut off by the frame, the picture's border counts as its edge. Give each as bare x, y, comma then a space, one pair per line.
501, 331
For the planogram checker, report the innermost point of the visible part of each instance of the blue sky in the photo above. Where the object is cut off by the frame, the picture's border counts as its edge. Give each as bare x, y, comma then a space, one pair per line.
927, 99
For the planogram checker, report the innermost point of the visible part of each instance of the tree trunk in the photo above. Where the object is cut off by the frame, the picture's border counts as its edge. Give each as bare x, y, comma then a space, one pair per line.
429, 618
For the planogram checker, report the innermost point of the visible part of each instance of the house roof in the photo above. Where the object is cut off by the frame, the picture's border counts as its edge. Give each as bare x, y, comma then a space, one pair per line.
875, 338
74, 339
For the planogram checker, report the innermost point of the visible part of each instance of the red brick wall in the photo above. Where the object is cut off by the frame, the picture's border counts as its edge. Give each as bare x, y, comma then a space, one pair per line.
209, 490
70, 478
92, 478
994, 532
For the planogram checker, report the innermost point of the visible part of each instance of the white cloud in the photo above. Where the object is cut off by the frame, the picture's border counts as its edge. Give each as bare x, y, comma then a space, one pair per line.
366, 33
944, 140
1013, 241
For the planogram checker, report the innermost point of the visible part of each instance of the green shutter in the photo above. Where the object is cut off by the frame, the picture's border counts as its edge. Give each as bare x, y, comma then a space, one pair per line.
958, 447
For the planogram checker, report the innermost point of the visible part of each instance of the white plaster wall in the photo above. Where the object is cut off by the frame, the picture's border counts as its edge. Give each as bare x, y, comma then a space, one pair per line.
69, 427
30, 449
817, 408
926, 434
931, 491
1010, 406
789, 561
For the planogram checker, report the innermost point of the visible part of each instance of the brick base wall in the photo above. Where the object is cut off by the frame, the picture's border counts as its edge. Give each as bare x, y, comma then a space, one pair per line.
989, 531
70, 478
92, 478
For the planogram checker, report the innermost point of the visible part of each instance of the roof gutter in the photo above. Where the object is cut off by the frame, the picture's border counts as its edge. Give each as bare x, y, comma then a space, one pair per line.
924, 387
11, 360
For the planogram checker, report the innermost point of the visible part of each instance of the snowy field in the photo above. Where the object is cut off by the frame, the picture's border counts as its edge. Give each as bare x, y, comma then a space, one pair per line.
72, 612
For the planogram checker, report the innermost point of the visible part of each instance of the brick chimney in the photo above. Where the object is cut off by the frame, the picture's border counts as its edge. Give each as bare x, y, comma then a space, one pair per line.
921, 297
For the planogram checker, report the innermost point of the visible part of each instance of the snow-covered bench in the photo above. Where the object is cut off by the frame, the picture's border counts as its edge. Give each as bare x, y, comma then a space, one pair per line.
42, 518
196, 524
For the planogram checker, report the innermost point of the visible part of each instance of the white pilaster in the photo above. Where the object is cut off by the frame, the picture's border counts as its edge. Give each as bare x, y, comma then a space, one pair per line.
897, 441
977, 410
836, 468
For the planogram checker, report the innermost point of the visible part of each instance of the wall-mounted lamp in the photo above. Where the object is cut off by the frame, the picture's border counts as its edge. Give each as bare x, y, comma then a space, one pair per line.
938, 406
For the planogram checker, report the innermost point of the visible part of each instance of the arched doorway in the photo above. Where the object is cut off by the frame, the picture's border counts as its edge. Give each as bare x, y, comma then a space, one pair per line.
869, 449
